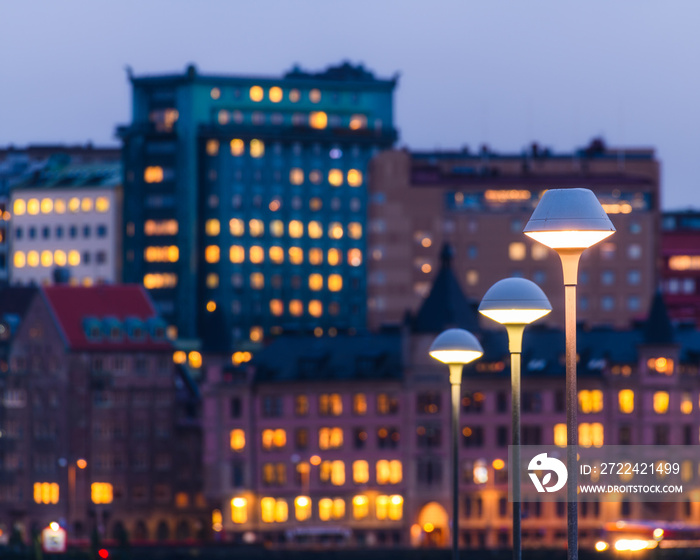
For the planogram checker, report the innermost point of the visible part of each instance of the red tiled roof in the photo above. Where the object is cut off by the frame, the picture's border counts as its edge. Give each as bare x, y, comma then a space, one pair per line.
71, 305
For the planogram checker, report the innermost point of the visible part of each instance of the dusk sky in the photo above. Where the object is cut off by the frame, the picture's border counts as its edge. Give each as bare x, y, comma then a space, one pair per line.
502, 73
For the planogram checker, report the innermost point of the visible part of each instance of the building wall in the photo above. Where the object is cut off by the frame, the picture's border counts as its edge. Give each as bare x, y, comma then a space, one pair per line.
480, 205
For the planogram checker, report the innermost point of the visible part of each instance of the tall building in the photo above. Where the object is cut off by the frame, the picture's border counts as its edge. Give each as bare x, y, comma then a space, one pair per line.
480, 202
245, 199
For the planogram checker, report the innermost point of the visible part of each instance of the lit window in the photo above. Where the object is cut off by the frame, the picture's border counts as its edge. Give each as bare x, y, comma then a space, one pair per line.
276, 254
74, 203
333, 472
274, 439
73, 258
101, 204
315, 308
296, 307
360, 472
212, 147
355, 230
296, 229
33, 206
161, 254
626, 401
257, 254
516, 251
480, 473
212, 253
330, 438
237, 147
590, 434
331, 509
215, 93
389, 472
296, 255
359, 404
276, 307
20, 207
154, 281
333, 257
661, 365
256, 227
315, 230
302, 508
335, 177
318, 119
354, 177
162, 227
237, 227
294, 95
354, 257
256, 93
335, 230
315, 177
236, 254
33, 258
360, 506
86, 204
19, 259
212, 227
257, 281
59, 257
223, 117
275, 94
357, 122
46, 205
257, 148
237, 439
560, 435
296, 176
212, 280
315, 95
686, 403
46, 492
46, 258
194, 358
660, 402
590, 401
330, 404
239, 510
152, 174
315, 282
316, 256
255, 334
101, 492
335, 282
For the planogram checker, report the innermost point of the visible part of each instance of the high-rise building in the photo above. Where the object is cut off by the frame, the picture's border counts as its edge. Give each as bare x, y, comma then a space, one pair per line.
480, 202
245, 198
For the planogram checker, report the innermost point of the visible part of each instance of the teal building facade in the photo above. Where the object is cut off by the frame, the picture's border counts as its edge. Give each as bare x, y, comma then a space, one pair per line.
245, 199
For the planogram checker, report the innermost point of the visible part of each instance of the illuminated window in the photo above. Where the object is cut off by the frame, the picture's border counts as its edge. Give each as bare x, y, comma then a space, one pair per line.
335, 177
212, 280
678, 262
355, 230
316, 256
360, 506
74, 204
330, 404
335, 230
152, 174
315, 95
294, 95
296, 307
331, 509
276, 307
257, 281
212, 253
359, 403
315, 177
560, 435
354, 257
539, 252
86, 204
212, 227
237, 147
20, 207
664, 366
330, 438
46, 492
212, 147
256, 93
46, 205
296, 176
256, 227
236, 254
333, 472
357, 122
274, 439
626, 401
318, 119
480, 473
223, 117
273, 511
276, 228
660, 402
333, 257
255, 334
33, 258
60, 258
590, 401
19, 259
101, 204
257, 148
101, 492
161, 254
315, 230
360, 472
33, 206
686, 403
154, 281
517, 251
302, 508
275, 94
590, 434
389, 507
354, 177
315, 282
389, 472
46, 258
276, 254
239, 510
296, 255
472, 277
335, 282
257, 254
296, 229
237, 227
162, 227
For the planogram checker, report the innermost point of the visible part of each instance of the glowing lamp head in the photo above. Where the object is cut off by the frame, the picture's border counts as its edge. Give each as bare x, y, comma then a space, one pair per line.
54, 526
569, 219
456, 346
515, 301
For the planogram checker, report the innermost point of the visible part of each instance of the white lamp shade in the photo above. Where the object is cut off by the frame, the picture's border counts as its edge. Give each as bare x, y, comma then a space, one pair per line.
515, 301
569, 219
456, 346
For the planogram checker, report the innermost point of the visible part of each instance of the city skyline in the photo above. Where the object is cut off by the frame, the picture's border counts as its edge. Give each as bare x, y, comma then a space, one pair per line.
615, 73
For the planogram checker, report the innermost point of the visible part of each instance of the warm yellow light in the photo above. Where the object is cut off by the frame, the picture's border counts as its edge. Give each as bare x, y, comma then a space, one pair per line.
569, 239
212, 227
237, 439
33, 206
357, 122
315, 95
296, 229
33, 258
318, 119
237, 147
54, 526
256, 254
255, 334
315, 460
515, 316
215, 93
456, 356
212, 254
46, 206
101, 492
296, 255
275, 94
335, 282
74, 203
426, 268
257, 148
658, 533
335, 177
256, 93
302, 501
660, 402
73, 258
315, 230
19, 259
20, 207
498, 464
315, 282
256, 227
428, 527
296, 176
82, 463
316, 309
211, 306
195, 359
101, 204
632, 545
276, 254
601, 546
86, 204
626, 401
46, 258
179, 357
354, 257
354, 177
152, 174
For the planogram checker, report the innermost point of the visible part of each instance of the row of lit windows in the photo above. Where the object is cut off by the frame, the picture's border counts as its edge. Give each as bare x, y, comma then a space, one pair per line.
276, 510
589, 434
331, 404
314, 119
155, 281
295, 228
45, 258
295, 255
328, 438
161, 254
333, 472
276, 94
34, 206
157, 227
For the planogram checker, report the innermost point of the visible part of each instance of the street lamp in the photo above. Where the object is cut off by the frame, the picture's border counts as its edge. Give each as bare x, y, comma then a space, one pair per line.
456, 348
515, 303
569, 221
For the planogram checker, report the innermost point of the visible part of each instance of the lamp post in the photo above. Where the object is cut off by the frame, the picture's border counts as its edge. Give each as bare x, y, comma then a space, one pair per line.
456, 348
515, 303
569, 221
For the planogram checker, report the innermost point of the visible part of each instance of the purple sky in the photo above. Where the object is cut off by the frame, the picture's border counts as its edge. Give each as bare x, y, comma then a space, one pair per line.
505, 73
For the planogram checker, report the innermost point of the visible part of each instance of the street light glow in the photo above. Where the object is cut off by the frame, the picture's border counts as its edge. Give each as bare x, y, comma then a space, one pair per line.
515, 316
455, 356
569, 239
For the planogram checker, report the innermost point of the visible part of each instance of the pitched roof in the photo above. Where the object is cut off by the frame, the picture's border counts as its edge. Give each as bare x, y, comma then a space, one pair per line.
125, 306
446, 306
